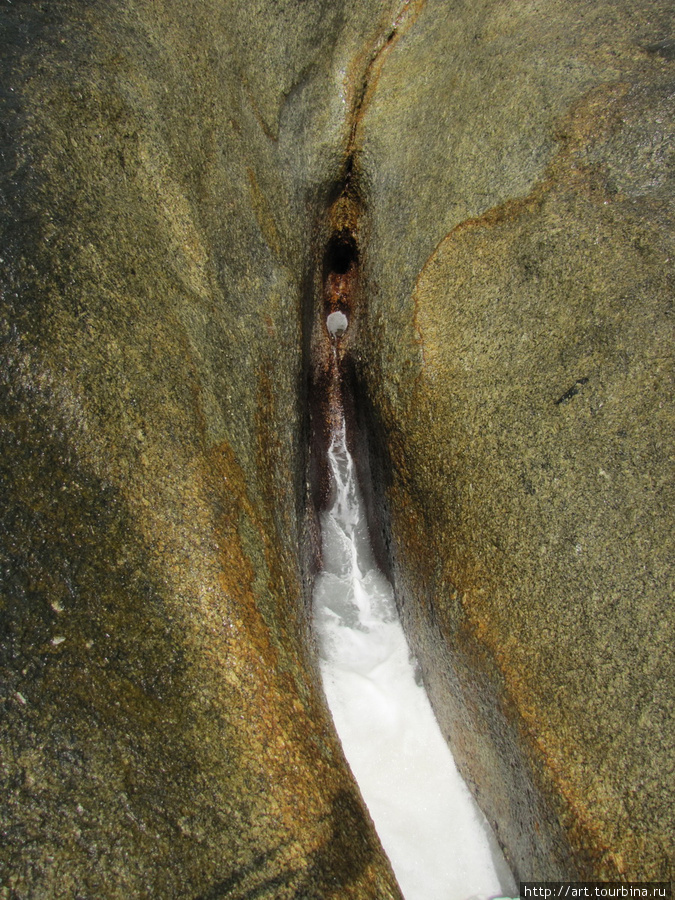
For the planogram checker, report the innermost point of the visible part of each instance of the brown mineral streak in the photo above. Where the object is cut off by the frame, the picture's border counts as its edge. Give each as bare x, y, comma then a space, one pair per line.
363, 91
575, 135
276, 720
237, 575
270, 457
134, 360
477, 643
281, 722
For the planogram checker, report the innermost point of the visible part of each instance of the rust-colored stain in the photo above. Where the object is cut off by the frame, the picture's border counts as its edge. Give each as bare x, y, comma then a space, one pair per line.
339, 291
478, 643
370, 64
287, 739
275, 520
589, 121
592, 120
282, 731
331, 361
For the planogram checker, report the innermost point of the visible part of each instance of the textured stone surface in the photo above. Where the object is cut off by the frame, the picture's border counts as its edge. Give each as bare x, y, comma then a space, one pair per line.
517, 169
162, 734
163, 170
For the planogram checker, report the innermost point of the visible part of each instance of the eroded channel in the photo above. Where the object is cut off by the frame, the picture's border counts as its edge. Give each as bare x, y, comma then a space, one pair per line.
438, 841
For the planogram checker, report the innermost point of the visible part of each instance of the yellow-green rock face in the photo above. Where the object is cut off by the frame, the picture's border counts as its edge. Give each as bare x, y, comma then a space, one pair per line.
166, 175
162, 734
518, 159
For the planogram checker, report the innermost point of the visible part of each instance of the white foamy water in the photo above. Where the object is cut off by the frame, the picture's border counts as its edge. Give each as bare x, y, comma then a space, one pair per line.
437, 840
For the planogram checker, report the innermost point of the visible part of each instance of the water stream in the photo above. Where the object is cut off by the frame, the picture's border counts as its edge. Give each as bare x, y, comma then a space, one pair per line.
437, 840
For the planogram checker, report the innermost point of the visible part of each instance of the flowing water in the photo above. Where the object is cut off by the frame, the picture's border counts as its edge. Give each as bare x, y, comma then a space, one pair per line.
437, 840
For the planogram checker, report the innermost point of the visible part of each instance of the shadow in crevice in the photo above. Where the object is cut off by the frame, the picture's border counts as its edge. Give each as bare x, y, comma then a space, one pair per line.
336, 298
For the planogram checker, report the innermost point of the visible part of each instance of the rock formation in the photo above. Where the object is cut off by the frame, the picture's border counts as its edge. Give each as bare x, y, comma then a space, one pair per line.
517, 164
167, 172
162, 733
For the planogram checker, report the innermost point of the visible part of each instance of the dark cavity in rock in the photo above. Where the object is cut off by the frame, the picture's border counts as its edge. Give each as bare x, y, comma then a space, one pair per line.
336, 306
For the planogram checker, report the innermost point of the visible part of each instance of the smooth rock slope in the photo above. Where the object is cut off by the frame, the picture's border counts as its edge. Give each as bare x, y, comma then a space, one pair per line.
166, 175
163, 733
517, 164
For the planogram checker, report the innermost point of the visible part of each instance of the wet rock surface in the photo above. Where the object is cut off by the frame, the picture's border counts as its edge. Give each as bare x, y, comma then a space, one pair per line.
517, 172
162, 730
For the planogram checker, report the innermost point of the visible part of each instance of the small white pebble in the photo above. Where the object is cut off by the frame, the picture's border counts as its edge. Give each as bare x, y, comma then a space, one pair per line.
337, 323
59, 639
20, 697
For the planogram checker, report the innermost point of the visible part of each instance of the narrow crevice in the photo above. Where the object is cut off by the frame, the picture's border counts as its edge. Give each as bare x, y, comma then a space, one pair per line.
379, 706
334, 285
408, 12
335, 310
332, 313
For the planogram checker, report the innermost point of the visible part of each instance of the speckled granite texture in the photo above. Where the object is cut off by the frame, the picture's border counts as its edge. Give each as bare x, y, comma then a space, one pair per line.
162, 731
165, 175
518, 163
